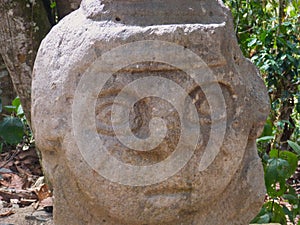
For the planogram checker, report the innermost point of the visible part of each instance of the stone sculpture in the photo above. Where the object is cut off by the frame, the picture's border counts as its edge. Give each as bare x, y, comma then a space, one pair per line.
146, 112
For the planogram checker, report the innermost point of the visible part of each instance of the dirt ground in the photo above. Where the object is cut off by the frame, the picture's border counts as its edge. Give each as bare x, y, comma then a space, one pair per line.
26, 216
25, 198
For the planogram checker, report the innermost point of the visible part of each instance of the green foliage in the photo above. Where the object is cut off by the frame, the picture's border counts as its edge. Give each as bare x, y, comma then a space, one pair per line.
15, 108
11, 130
53, 4
294, 146
279, 167
13, 126
268, 34
271, 212
53, 12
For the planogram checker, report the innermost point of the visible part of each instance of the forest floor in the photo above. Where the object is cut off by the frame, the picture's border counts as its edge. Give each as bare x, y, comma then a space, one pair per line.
25, 198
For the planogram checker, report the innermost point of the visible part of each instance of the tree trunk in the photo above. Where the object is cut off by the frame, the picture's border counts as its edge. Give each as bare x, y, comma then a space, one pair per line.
23, 24
6, 87
64, 7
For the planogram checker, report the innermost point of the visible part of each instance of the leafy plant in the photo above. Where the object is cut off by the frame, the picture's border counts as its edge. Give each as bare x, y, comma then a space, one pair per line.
11, 130
13, 126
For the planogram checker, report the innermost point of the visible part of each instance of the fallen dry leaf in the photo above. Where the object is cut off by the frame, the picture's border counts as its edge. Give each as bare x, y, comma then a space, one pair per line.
11, 180
43, 192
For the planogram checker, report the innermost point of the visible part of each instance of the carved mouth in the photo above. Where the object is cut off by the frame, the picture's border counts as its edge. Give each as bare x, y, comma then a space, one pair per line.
169, 197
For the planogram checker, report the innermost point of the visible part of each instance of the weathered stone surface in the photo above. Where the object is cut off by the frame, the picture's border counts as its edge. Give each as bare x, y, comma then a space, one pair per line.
225, 188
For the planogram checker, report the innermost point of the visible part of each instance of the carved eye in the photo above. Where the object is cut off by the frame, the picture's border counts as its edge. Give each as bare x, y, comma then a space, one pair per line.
196, 99
105, 103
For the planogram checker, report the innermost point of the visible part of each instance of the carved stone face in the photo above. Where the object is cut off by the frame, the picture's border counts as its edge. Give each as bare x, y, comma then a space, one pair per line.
106, 97
178, 194
183, 195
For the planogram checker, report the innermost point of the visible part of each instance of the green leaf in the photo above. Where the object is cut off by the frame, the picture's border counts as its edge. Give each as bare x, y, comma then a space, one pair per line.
18, 107
294, 146
292, 159
298, 106
265, 157
268, 128
280, 166
53, 5
265, 138
11, 130
292, 199
20, 111
274, 153
16, 102
288, 213
252, 42
278, 215
271, 212
276, 172
10, 108
262, 219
